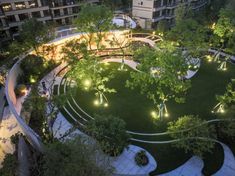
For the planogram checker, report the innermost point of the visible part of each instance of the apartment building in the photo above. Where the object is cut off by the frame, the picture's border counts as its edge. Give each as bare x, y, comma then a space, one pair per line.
14, 12
148, 13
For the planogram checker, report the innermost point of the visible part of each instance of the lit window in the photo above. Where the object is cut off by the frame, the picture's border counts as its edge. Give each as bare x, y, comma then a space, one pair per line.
6, 7
20, 5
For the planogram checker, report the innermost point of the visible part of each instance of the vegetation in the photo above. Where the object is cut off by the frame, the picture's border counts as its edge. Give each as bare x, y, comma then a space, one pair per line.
111, 133
75, 157
161, 77
192, 135
141, 158
34, 68
35, 33
90, 75
95, 20
9, 165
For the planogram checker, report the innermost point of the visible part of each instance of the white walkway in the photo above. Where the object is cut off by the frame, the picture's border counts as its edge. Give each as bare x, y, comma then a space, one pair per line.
193, 167
125, 163
228, 167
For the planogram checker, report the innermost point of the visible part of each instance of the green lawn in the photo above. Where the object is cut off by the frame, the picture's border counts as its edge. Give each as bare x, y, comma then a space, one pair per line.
135, 110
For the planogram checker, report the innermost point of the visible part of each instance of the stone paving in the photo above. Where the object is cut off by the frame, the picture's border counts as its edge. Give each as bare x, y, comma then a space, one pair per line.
192, 167
228, 167
8, 128
125, 163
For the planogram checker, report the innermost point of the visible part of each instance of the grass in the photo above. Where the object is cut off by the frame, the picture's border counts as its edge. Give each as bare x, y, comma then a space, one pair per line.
135, 110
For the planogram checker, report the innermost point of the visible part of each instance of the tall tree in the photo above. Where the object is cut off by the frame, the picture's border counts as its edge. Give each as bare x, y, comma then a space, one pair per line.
193, 134
224, 29
89, 74
190, 35
35, 33
94, 20
111, 133
161, 77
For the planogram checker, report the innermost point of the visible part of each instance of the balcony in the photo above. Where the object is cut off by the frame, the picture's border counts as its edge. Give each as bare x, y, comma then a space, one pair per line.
69, 3
64, 16
15, 12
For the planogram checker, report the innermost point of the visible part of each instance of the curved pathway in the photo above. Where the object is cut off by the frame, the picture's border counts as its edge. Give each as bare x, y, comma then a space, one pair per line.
228, 167
193, 167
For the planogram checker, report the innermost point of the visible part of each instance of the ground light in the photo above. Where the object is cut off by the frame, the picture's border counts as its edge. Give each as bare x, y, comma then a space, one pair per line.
96, 102
219, 108
209, 58
154, 114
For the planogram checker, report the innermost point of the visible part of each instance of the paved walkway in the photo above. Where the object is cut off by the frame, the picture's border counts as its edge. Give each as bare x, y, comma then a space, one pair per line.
8, 128
228, 167
192, 167
125, 163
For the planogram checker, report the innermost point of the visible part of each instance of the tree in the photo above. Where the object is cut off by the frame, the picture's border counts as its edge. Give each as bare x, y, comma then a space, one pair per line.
74, 50
228, 128
110, 132
43, 111
160, 76
34, 67
78, 156
90, 76
94, 20
163, 26
193, 133
190, 35
121, 42
224, 29
34, 34
226, 100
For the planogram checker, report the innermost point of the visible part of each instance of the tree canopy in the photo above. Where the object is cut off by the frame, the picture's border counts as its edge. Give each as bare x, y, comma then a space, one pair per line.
193, 136
160, 76
78, 157
111, 133
35, 33
90, 75
94, 19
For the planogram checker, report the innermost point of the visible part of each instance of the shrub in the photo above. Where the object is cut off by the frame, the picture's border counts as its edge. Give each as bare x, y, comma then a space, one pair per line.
141, 158
35, 67
9, 165
110, 132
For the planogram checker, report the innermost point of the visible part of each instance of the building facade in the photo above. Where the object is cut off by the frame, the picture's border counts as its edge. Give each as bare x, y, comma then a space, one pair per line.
14, 12
148, 13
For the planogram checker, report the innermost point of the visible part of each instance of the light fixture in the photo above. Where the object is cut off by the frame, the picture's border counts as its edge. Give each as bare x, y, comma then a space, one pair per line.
96, 103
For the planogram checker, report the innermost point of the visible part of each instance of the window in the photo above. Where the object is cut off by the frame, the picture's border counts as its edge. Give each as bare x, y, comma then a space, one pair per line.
57, 13
23, 16
33, 4
6, 7
11, 19
76, 9
46, 12
20, 5
156, 14
36, 14
157, 3
65, 11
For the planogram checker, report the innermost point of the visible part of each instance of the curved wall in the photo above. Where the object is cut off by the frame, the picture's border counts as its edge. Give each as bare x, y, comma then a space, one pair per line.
11, 82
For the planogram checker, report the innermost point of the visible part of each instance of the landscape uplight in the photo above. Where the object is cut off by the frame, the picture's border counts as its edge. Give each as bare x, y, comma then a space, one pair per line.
96, 103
